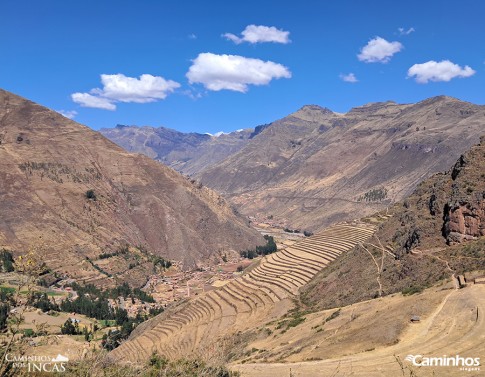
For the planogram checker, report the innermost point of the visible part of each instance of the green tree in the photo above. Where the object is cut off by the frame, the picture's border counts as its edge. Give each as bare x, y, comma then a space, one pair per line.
68, 328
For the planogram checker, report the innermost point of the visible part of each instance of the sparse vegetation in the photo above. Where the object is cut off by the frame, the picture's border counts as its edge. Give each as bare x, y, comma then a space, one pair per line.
334, 315
374, 195
413, 289
96, 366
58, 172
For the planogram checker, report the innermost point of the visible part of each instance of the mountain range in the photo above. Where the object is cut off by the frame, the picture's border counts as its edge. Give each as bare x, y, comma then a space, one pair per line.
316, 167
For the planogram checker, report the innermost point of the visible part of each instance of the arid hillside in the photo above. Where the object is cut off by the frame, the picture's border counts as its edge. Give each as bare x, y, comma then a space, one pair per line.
76, 195
435, 233
316, 167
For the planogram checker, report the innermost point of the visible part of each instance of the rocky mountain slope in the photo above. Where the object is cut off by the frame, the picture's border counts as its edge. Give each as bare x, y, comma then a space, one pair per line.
188, 153
76, 195
316, 167
436, 233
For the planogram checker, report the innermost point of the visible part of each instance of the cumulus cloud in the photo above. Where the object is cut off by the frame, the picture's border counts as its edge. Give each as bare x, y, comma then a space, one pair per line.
444, 70
350, 77
147, 88
120, 88
88, 100
233, 72
70, 114
403, 31
378, 50
260, 34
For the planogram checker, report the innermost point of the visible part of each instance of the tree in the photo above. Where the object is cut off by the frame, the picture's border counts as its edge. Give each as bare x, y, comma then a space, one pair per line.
4, 310
31, 265
6, 261
68, 328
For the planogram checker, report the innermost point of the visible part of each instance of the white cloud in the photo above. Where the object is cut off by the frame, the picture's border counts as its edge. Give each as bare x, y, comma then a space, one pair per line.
147, 88
438, 71
232, 72
120, 88
88, 100
260, 34
403, 31
378, 50
192, 36
70, 114
349, 78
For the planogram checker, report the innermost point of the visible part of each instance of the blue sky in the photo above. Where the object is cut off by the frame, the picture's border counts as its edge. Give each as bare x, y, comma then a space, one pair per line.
168, 63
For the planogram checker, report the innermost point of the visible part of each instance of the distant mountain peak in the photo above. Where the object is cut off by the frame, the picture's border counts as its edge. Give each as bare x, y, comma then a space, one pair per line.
372, 107
324, 110
437, 99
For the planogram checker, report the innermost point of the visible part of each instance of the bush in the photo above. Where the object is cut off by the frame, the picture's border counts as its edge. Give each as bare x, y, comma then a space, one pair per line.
90, 194
334, 315
413, 289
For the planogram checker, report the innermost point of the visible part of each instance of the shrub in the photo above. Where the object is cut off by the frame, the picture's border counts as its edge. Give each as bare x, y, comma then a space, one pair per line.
90, 194
334, 315
413, 289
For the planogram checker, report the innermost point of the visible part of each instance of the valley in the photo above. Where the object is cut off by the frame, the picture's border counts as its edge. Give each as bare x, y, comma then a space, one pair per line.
242, 189
296, 268
316, 167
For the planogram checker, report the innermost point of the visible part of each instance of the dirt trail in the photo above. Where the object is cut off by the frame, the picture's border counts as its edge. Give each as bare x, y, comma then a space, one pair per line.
453, 328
